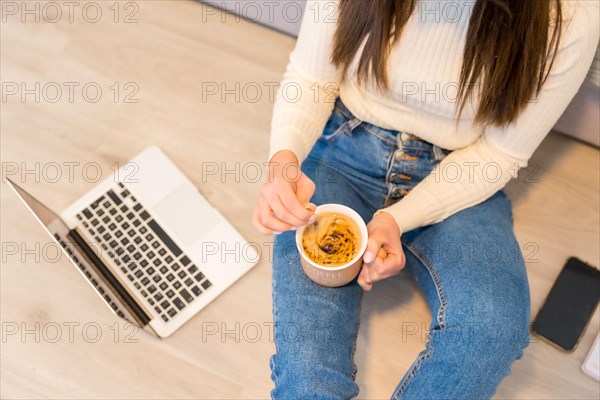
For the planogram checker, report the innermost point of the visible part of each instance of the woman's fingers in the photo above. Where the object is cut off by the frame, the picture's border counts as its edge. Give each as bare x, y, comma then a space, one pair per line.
281, 212
383, 256
394, 262
373, 246
378, 270
257, 224
388, 266
293, 205
305, 188
267, 219
282, 204
364, 280
273, 209
368, 275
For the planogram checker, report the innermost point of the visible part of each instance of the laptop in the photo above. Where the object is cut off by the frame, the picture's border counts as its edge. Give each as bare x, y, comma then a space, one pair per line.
148, 243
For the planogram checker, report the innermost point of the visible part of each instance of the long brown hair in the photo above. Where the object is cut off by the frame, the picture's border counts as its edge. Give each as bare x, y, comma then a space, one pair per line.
508, 49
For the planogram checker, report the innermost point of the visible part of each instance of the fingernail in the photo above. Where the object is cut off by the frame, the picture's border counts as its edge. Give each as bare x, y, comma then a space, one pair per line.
312, 218
276, 233
294, 228
368, 257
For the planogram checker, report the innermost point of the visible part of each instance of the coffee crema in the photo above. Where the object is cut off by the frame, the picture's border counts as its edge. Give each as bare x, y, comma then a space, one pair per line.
332, 240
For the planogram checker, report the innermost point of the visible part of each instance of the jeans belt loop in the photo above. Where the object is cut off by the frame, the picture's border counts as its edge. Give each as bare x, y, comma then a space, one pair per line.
400, 137
438, 153
404, 136
347, 127
353, 123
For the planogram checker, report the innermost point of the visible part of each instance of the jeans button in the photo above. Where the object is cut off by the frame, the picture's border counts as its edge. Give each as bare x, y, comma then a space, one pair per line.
399, 155
396, 194
400, 177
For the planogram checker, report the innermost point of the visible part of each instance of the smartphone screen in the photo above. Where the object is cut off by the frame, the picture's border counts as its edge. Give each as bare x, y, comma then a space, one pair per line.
569, 305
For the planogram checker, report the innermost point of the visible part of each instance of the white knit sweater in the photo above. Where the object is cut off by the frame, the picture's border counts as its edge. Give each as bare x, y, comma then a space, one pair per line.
424, 68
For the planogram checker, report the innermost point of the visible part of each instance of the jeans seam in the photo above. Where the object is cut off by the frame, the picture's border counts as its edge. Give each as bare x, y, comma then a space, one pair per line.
340, 129
272, 360
335, 166
378, 136
355, 340
441, 314
441, 318
410, 374
345, 128
348, 114
390, 186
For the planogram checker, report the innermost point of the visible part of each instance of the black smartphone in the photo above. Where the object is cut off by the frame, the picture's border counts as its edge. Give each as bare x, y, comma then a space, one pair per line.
569, 305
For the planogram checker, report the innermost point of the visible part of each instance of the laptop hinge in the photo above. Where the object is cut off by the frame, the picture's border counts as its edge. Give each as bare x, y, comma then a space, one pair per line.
110, 279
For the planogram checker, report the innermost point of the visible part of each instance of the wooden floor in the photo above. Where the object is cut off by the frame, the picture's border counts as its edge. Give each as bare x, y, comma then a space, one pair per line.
59, 340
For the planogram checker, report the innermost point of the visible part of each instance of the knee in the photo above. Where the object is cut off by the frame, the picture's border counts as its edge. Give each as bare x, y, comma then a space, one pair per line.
499, 341
311, 375
496, 325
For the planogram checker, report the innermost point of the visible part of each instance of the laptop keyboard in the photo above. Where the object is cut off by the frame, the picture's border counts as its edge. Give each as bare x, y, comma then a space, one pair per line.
146, 255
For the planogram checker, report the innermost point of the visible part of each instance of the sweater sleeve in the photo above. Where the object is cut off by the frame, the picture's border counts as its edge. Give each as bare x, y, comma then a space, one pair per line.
470, 175
306, 96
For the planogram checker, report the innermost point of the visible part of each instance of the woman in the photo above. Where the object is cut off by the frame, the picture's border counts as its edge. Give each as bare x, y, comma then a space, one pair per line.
437, 108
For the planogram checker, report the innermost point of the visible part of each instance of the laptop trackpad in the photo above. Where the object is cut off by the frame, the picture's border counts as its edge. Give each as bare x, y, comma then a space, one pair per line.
187, 214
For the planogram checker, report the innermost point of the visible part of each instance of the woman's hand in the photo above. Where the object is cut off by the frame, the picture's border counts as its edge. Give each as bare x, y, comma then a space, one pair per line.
283, 203
384, 233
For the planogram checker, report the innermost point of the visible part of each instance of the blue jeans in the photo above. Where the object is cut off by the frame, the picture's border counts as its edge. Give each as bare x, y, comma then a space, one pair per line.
469, 267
